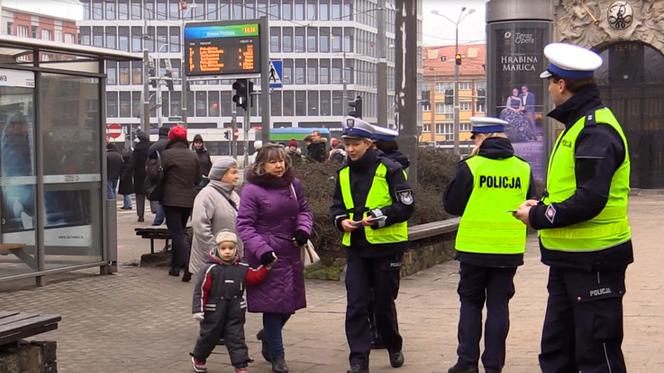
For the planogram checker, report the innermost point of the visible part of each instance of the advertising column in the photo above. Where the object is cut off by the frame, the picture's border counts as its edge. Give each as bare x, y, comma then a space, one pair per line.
517, 31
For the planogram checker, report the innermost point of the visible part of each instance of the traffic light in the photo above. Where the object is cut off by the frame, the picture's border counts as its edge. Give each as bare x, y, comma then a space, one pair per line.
226, 134
241, 93
457, 59
356, 107
449, 97
152, 72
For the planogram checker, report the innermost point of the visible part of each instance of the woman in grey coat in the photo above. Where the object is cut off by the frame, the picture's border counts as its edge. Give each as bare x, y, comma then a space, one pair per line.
215, 209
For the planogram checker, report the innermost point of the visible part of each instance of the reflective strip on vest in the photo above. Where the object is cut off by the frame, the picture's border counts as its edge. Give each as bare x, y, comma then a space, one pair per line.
486, 226
611, 226
378, 197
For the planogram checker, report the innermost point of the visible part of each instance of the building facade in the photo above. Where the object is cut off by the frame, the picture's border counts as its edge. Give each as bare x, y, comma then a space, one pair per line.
26, 24
327, 47
438, 93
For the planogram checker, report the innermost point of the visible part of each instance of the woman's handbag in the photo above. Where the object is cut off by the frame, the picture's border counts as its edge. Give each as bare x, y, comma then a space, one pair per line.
308, 254
153, 185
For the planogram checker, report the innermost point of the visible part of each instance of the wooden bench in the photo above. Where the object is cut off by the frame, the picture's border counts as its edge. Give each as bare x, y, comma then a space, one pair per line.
18, 250
154, 233
15, 326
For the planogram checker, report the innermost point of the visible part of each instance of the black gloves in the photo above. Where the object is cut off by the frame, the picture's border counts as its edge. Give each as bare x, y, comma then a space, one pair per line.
268, 258
301, 237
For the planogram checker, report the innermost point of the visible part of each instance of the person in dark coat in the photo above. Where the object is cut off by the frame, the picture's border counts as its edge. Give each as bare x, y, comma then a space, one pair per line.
317, 149
204, 160
273, 221
219, 303
181, 176
140, 157
113, 169
126, 187
158, 146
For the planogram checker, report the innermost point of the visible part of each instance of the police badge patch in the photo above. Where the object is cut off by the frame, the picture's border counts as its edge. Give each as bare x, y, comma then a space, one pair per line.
550, 213
405, 197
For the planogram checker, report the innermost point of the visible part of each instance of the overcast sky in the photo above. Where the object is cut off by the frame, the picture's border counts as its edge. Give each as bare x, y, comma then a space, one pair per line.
436, 29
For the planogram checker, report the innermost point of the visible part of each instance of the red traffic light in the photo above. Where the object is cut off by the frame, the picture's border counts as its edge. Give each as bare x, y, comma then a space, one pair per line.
457, 58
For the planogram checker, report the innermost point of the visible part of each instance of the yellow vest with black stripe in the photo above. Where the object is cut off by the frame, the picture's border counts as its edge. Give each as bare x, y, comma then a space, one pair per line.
487, 226
378, 197
611, 226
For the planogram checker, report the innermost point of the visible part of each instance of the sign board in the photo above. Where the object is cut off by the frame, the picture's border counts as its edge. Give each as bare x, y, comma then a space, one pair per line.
222, 48
113, 130
17, 78
275, 74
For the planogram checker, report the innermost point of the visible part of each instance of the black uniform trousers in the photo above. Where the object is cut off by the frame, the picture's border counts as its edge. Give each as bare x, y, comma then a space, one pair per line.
362, 275
227, 321
476, 285
176, 221
583, 325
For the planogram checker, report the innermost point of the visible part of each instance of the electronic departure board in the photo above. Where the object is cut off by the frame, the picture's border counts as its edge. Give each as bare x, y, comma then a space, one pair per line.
222, 48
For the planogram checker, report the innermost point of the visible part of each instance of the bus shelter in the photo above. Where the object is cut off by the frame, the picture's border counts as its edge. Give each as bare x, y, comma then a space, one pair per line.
55, 216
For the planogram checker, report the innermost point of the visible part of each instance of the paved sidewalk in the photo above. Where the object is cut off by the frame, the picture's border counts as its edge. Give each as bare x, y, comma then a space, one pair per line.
139, 319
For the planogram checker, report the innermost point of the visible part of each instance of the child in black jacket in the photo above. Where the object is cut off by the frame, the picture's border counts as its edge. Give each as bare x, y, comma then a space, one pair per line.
219, 303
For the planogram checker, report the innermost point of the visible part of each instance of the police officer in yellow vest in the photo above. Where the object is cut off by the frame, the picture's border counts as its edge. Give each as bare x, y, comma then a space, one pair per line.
490, 243
584, 233
371, 204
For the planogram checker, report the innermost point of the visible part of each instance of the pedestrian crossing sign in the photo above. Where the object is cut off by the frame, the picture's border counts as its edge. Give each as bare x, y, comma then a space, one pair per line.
275, 74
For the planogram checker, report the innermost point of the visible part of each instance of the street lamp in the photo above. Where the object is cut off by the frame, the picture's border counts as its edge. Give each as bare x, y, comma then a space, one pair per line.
462, 15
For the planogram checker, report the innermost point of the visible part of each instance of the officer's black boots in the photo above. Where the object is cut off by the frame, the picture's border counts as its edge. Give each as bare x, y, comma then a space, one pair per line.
396, 359
279, 364
460, 368
358, 368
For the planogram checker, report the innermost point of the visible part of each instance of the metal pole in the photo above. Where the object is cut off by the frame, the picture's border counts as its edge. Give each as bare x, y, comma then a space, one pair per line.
234, 128
245, 126
184, 98
381, 67
265, 84
344, 98
145, 119
456, 92
158, 98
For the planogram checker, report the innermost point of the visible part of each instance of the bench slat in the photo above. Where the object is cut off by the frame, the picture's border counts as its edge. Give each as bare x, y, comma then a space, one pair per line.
16, 318
34, 321
25, 333
4, 314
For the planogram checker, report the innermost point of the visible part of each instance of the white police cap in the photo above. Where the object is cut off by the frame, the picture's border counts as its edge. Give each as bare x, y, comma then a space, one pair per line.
570, 61
486, 125
384, 133
356, 128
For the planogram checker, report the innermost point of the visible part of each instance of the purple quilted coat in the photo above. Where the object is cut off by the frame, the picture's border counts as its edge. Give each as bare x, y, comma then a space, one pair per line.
268, 216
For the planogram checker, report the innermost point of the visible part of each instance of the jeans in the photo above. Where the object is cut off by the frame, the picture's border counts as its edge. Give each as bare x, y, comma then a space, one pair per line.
126, 201
111, 186
160, 216
273, 324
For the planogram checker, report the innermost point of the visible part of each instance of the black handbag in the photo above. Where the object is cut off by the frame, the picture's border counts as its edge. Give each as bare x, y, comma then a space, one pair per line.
153, 185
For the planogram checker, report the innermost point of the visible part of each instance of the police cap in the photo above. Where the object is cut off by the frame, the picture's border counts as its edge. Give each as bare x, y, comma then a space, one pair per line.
570, 61
355, 128
486, 125
384, 133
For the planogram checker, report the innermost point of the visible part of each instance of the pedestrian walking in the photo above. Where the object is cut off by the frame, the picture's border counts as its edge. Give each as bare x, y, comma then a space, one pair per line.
140, 157
204, 160
113, 169
158, 146
584, 232
371, 204
126, 186
274, 220
219, 303
215, 209
181, 176
490, 243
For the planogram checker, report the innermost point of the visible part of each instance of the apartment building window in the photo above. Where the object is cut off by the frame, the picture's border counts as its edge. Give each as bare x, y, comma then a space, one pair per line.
86, 9
324, 39
123, 38
84, 34
299, 72
288, 104
348, 39
480, 107
237, 9
337, 103
311, 10
287, 10
426, 127
111, 37
111, 73
274, 9
197, 12
176, 103
465, 106
149, 41
213, 103
287, 77
324, 71
261, 8
287, 39
275, 39
97, 9
464, 86
464, 127
123, 9
135, 9
173, 9
336, 71
348, 71
299, 10
312, 39
112, 104
299, 39
224, 10
46, 35
123, 70
162, 39
312, 103
110, 9
348, 10
137, 72
149, 9
69, 38
10, 28
301, 103
442, 86
58, 35
175, 39
162, 9
97, 36
336, 10
201, 104
275, 104
312, 71
136, 33
212, 9
324, 10
325, 103
125, 104
336, 39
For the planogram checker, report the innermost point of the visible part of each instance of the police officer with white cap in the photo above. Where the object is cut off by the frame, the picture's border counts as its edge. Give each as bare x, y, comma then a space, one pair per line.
585, 236
371, 205
490, 243
385, 140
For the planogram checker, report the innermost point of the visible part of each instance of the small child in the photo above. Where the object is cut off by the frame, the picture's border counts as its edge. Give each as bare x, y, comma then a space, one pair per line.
219, 303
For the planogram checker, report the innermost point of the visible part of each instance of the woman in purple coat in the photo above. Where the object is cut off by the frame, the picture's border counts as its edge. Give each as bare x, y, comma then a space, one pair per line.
273, 221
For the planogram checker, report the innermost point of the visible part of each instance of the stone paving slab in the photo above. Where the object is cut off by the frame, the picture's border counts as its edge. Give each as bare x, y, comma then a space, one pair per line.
139, 320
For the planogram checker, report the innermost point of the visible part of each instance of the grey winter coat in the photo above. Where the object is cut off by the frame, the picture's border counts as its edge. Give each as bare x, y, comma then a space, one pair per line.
215, 209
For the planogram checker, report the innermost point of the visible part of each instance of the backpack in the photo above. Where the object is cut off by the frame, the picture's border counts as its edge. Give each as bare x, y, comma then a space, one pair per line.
153, 184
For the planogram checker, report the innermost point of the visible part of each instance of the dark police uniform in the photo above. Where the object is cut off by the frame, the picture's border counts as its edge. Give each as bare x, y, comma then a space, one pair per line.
374, 253
584, 232
489, 246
